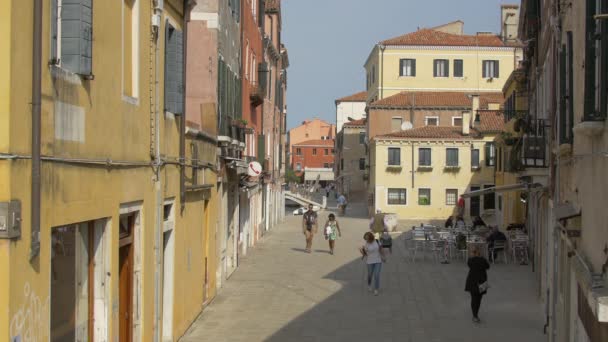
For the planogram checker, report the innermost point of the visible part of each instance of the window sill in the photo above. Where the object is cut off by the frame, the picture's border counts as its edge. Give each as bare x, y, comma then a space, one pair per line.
425, 168
589, 128
394, 167
475, 168
452, 168
564, 150
131, 100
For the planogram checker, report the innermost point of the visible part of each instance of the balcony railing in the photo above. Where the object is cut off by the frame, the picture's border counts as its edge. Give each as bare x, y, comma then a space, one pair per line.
514, 114
531, 150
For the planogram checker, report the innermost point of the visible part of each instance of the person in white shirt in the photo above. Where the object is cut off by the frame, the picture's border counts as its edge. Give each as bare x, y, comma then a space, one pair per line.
373, 254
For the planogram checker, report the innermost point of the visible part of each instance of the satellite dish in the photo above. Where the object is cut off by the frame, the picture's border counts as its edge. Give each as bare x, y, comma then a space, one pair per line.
406, 125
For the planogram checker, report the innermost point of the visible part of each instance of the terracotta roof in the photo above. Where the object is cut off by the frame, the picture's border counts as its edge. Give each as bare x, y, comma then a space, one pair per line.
432, 132
437, 99
315, 143
438, 38
491, 121
358, 97
360, 122
273, 5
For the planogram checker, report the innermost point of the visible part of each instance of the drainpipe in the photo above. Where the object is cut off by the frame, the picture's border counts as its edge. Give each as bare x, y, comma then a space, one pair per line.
36, 123
182, 122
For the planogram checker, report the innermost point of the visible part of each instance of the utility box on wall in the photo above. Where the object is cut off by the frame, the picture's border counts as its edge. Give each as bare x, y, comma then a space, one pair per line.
10, 219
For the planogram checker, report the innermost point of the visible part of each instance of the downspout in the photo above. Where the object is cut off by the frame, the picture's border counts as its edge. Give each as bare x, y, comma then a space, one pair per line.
157, 12
36, 123
413, 171
182, 122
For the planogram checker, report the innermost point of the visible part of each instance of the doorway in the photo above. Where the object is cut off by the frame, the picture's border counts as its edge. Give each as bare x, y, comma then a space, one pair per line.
78, 292
168, 274
475, 202
125, 277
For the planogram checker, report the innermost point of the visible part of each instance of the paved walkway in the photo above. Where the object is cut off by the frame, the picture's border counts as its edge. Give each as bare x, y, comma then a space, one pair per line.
279, 293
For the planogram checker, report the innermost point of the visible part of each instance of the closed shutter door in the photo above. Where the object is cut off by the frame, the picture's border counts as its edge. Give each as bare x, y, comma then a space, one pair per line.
54, 39
413, 61
484, 64
435, 68
77, 36
496, 69
563, 124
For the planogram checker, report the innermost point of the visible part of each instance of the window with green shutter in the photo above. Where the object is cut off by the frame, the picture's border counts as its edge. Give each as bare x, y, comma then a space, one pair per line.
174, 61
458, 68
73, 50
451, 157
596, 47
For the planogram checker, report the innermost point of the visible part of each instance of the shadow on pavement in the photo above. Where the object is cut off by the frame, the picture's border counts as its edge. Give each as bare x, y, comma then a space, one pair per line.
422, 301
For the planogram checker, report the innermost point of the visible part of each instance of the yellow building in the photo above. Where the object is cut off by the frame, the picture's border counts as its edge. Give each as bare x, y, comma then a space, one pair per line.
443, 58
420, 173
117, 238
511, 207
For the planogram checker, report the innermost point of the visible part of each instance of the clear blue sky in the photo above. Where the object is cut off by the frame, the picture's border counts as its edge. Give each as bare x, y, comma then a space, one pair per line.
329, 40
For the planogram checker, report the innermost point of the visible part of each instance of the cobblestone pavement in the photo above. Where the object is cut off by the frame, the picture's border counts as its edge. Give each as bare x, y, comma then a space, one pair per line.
279, 293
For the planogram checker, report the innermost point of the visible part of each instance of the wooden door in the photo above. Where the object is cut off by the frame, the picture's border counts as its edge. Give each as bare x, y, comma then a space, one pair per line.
125, 307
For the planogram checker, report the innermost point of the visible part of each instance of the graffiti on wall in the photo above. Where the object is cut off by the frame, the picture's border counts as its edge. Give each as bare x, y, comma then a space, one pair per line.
31, 322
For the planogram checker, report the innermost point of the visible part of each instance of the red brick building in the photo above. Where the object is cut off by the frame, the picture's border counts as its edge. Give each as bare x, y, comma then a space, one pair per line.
313, 153
254, 82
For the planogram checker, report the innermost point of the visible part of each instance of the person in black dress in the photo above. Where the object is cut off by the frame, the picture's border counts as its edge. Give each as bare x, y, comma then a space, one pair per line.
478, 266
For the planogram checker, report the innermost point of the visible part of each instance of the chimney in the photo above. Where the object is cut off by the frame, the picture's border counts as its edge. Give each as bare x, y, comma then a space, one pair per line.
466, 120
474, 108
509, 22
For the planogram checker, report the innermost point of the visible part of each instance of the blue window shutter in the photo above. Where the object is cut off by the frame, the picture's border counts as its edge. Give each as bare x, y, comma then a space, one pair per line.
170, 68
179, 72
77, 36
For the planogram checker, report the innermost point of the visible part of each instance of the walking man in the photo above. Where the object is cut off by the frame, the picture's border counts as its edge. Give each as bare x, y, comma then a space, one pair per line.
309, 226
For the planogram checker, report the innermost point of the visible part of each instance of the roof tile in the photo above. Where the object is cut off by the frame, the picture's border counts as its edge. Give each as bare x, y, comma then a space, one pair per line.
358, 97
315, 143
441, 99
360, 122
430, 37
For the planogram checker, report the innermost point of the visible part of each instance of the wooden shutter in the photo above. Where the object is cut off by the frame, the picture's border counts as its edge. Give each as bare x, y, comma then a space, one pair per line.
174, 63
435, 68
446, 64
496, 69
77, 36
604, 61
589, 110
563, 119
401, 65
261, 149
413, 67
54, 17
262, 14
484, 74
458, 69
570, 73
488, 148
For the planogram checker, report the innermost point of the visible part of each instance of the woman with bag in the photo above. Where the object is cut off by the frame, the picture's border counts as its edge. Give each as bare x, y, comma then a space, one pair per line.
373, 254
332, 231
477, 281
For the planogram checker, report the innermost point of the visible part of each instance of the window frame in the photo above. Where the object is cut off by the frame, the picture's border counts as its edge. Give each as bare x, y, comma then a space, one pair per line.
430, 156
314, 151
456, 68
401, 196
490, 154
454, 118
361, 164
426, 120
361, 138
400, 123
298, 151
494, 71
403, 64
388, 160
446, 68
475, 165
447, 193
486, 197
447, 156
420, 194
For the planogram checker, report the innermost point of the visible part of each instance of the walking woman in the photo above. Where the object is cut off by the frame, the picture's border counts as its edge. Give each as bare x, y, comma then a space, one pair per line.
332, 231
477, 281
373, 254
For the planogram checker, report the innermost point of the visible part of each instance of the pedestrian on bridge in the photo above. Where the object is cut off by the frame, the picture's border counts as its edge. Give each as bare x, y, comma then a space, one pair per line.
332, 231
309, 226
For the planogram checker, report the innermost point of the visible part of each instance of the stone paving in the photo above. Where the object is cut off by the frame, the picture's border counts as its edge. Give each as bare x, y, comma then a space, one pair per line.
279, 293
